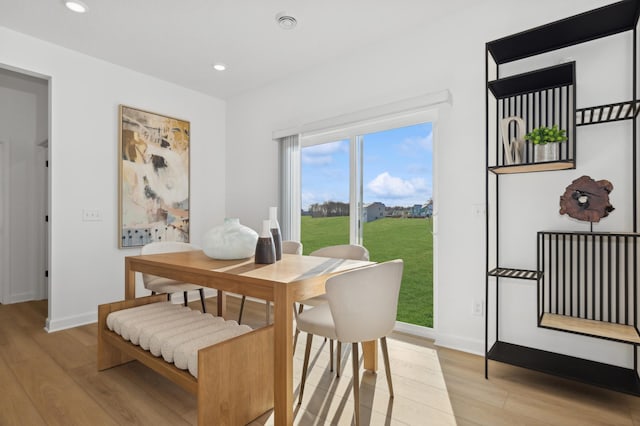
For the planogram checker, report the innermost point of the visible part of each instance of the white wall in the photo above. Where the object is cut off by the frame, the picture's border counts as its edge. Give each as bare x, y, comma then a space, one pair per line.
23, 126
86, 267
449, 54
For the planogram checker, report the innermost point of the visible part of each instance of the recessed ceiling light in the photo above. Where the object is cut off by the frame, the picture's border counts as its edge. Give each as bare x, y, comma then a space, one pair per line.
286, 22
76, 6
219, 67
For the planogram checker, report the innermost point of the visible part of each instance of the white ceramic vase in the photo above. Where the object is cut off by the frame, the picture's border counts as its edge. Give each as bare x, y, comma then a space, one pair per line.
230, 240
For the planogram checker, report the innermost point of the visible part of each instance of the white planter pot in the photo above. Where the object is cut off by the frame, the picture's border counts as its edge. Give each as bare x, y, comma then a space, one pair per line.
546, 152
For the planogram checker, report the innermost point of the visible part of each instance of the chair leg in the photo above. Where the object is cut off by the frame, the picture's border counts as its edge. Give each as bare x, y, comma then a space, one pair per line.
184, 294
241, 309
385, 355
267, 312
338, 358
305, 365
204, 309
168, 297
331, 355
356, 382
295, 337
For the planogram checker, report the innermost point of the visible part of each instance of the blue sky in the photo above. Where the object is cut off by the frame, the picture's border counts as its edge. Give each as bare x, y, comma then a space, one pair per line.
398, 168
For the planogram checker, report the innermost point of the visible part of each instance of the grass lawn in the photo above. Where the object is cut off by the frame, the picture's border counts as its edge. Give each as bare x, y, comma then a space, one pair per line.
387, 239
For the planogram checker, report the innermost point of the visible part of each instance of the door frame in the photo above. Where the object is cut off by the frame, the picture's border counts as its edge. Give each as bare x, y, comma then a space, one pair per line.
5, 229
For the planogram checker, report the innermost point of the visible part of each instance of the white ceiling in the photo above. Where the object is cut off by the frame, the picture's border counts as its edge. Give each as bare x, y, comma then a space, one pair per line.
180, 40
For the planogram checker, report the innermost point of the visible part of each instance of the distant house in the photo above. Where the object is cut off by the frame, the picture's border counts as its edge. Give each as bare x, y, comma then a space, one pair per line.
372, 211
428, 209
422, 210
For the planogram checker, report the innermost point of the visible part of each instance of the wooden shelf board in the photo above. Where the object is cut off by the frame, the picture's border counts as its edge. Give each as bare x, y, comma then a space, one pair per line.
534, 167
607, 376
602, 329
523, 274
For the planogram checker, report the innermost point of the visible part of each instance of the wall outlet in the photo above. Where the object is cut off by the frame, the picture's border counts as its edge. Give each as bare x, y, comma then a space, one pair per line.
477, 308
91, 215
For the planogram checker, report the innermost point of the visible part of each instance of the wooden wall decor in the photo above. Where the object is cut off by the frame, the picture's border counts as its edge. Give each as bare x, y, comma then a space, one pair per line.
587, 199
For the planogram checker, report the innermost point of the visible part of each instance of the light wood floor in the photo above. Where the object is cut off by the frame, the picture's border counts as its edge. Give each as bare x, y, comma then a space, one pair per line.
51, 379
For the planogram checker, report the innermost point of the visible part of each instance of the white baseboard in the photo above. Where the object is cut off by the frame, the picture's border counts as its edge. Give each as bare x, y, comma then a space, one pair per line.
458, 343
415, 330
21, 297
70, 322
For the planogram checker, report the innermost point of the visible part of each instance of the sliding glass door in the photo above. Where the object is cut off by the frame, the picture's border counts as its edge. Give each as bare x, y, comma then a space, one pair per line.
375, 189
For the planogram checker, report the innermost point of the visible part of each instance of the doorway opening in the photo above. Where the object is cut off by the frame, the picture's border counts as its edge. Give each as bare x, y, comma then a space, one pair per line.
24, 188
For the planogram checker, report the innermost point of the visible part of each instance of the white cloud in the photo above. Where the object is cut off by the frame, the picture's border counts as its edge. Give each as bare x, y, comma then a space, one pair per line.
324, 148
409, 145
322, 154
317, 160
387, 186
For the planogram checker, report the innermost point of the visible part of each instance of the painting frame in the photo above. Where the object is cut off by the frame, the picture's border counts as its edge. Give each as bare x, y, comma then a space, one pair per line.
154, 184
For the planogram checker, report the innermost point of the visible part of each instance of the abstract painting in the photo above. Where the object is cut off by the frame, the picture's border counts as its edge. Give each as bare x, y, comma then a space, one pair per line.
153, 178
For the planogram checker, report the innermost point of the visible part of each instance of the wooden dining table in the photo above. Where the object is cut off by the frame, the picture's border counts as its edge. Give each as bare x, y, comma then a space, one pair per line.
291, 279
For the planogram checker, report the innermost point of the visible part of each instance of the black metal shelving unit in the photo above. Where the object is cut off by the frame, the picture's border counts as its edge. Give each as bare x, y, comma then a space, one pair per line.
587, 282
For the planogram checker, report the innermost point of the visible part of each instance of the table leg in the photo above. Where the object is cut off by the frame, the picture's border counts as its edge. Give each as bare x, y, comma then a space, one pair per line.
283, 356
129, 281
221, 301
370, 353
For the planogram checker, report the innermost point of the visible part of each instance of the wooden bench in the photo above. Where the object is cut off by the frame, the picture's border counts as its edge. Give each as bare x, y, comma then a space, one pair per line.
235, 377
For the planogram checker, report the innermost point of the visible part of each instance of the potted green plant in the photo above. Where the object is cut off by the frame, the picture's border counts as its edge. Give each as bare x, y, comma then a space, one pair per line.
545, 141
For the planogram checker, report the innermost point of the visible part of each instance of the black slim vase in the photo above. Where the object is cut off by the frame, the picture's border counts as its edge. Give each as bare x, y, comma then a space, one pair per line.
275, 231
265, 248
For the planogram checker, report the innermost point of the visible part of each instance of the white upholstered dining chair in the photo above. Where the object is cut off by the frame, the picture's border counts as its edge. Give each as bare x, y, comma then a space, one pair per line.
288, 247
362, 306
340, 251
165, 285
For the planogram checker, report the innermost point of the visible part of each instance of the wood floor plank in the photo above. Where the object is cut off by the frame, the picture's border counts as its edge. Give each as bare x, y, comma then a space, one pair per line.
481, 392
634, 408
15, 406
474, 411
163, 390
563, 414
20, 345
87, 335
55, 395
124, 396
65, 349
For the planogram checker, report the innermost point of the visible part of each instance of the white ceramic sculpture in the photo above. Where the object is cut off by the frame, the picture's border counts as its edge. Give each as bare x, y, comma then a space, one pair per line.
230, 240
514, 149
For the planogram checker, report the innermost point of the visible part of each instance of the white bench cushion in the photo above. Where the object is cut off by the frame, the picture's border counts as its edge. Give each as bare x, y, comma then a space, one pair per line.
189, 351
173, 331
115, 319
156, 341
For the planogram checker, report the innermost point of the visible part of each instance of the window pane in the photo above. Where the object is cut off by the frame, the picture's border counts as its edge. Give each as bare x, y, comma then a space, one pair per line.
325, 195
397, 180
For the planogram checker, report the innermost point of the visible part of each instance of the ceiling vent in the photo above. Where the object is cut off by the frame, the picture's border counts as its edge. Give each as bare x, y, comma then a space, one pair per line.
286, 22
